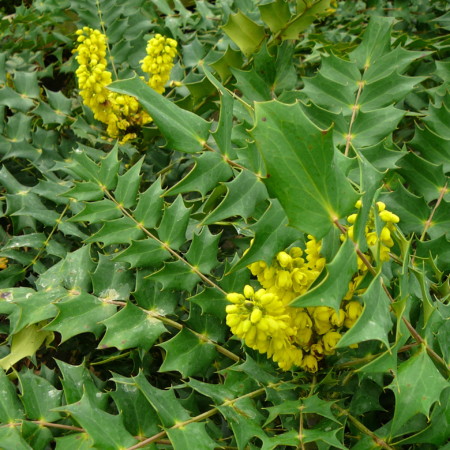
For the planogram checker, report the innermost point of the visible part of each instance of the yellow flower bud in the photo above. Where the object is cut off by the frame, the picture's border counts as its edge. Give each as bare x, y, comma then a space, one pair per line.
310, 364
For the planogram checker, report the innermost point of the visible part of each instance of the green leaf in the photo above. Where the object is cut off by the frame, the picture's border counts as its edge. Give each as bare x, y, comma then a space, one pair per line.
150, 205
11, 409
209, 169
191, 435
9, 97
305, 15
187, 354
253, 87
183, 130
417, 386
119, 231
202, 253
106, 430
109, 168
211, 301
24, 344
375, 321
85, 191
131, 327
176, 275
423, 177
99, 211
236, 204
80, 313
26, 83
39, 397
145, 253
245, 33
139, 417
275, 14
172, 229
128, 185
74, 441
376, 42
11, 439
272, 234
73, 272
332, 289
165, 403
301, 164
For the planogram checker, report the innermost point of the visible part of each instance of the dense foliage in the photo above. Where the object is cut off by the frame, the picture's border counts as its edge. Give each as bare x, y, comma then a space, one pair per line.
246, 249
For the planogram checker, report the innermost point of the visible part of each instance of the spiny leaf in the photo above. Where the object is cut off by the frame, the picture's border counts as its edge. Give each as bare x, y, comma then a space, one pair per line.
208, 171
334, 286
11, 410
375, 321
187, 354
107, 431
253, 87
275, 14
80, 313
301, 164
193, 434
183, 130
95, 212
202, 253
109, 168
176, 275
128, 185
145, 253
39, 397
150, 205
236, 204
131, 327
11, 438
165, 403
417, 386
118, 231
245, 33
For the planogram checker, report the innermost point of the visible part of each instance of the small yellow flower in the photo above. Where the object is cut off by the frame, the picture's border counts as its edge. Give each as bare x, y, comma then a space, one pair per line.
3, 263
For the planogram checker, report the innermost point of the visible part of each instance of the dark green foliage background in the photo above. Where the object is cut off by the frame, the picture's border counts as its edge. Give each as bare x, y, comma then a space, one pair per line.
112, 306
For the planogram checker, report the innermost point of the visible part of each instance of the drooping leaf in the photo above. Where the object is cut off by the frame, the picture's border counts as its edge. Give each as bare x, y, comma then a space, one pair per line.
301, 168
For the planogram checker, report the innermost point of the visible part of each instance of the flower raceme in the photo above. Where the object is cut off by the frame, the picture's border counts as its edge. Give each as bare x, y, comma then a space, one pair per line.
119, 112
299, 337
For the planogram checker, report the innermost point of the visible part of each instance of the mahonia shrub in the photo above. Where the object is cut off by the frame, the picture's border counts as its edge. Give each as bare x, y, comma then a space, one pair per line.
224, 225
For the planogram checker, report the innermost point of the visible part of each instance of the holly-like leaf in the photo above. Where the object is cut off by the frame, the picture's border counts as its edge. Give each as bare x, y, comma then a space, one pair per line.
187, 354
95, 212
417, 386
272, 234
145, 253
301, 168
183, 130
128, 185
332, 289
176, 275
275, 14
202, 253
165, 403
11, 438
118, 231
106, 430
236, 204
131, 327
11, 410
23, 344
74, 441
172, 229
253, 87
375, 321
209, 169
245, 33
150, 205
193, 434
80, 313
39, 397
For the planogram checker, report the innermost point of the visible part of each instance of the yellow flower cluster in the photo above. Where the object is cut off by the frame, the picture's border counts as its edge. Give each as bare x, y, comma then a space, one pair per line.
161, 52
3, 263
302, 336
290, 336
119, 112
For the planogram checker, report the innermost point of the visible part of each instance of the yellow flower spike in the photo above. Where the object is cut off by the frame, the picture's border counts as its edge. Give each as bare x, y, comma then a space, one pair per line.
330, 339
310, 364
